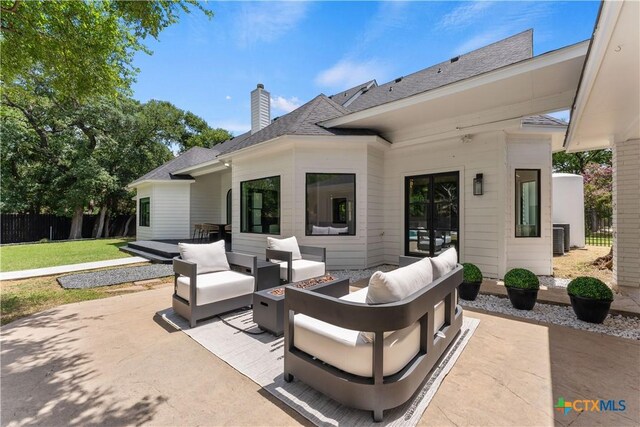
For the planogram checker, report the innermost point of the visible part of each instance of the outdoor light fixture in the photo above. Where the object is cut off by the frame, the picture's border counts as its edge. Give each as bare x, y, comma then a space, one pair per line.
226, 164
477, 185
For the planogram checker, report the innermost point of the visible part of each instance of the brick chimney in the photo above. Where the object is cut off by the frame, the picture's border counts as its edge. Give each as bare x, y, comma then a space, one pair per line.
260, 108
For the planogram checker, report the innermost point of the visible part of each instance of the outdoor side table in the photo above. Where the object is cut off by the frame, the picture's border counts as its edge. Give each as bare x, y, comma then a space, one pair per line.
268, 275
268, 308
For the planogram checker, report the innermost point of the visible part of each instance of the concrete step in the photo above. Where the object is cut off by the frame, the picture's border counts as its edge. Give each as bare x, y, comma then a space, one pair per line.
154, 258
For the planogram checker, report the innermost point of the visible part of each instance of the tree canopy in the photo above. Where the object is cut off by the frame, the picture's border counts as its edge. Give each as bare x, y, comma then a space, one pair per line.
577, 162
83, 48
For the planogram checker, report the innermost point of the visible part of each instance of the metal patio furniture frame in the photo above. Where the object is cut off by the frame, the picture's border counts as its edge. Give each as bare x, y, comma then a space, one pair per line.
378, 392
193, 312
272, 254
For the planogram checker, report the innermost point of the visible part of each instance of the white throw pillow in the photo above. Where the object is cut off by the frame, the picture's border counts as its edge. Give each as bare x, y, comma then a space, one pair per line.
338, 230
399, 283
209, 257
319, 230
395, 286
288, 245
444, 263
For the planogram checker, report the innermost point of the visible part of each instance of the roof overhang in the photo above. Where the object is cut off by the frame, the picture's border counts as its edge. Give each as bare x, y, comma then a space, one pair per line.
607, 105
537, 85
203, 168
137, 184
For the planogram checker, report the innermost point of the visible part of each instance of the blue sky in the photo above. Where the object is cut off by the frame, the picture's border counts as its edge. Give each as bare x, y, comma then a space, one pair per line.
300, 49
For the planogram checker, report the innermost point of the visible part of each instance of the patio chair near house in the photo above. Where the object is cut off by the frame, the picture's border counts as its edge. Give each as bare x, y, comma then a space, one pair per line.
372, 349
205, 285
293, 267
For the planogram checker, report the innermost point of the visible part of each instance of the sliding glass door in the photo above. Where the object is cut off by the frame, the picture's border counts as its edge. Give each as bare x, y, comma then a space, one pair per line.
432, 208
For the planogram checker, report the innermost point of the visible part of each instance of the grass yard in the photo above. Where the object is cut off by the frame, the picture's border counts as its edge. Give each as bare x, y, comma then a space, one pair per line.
20, 298
38, 255
578, 263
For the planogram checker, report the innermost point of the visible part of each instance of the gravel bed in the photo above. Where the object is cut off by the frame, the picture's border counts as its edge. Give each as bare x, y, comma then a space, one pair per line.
355, 275
115, 276
619, 326
553, 282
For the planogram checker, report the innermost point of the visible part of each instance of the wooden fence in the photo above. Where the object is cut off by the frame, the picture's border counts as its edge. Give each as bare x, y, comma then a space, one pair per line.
19, 228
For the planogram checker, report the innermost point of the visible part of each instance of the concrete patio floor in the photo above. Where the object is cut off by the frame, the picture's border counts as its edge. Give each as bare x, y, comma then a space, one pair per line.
111, 362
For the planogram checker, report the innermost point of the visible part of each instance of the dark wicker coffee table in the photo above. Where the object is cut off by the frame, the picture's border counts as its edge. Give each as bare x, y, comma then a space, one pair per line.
268, 304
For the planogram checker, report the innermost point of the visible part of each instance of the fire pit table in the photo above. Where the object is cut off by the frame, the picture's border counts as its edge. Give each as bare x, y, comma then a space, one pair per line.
268, 304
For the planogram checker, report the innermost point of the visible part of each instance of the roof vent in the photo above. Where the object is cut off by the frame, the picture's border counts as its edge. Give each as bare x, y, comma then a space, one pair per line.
390, 88
345, 94
455, 59
365, 90
439, 71
274, 119
398, 80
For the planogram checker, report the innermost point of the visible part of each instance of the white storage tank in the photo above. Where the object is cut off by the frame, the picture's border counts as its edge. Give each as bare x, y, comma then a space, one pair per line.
568, 205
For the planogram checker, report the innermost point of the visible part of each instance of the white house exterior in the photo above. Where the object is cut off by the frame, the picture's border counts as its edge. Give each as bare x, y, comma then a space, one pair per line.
606, 113
410, 149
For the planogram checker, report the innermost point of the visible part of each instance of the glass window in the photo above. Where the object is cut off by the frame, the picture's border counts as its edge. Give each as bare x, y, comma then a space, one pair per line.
331, 204
145, 212
260, 206
527, 202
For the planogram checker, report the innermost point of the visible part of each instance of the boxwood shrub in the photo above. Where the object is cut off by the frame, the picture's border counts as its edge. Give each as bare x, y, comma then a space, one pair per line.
589, 287
472, 273
521, 278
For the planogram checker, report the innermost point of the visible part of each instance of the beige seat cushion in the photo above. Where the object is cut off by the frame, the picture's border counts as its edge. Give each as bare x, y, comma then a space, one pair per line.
219, 286
399, 283
288, 245
209, 257
302, 269
346, 349
444, 263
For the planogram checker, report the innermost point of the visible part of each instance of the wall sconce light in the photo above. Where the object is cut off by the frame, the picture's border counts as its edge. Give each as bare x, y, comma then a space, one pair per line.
477, 185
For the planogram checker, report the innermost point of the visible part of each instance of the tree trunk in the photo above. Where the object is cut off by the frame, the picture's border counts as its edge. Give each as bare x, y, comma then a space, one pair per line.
126, 226
100, 221
76, 223
106, 226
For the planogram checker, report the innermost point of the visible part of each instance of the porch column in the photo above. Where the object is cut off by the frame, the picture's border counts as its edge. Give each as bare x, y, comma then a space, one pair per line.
626, 216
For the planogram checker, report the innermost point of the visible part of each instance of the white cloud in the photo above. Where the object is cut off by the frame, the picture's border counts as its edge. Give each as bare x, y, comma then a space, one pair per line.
233, 126
347, 73
228, 97
285, 105
465, 14
267, 21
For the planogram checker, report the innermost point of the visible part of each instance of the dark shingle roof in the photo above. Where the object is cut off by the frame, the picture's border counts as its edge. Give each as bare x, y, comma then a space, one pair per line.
505, 52
543, 120
191, 157
301, 121
343, 97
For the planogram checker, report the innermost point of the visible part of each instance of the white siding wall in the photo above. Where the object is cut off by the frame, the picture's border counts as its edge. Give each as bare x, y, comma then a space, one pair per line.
375, 207
205, 199
480, 216
343, 252
170, 211
276, 161
626, 217
144, 233
533, 253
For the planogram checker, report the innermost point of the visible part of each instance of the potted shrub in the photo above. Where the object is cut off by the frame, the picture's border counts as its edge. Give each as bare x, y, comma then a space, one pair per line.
522, 287
590, 299
470, 286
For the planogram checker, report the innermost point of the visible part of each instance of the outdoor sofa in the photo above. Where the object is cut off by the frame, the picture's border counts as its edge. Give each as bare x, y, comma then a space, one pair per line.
206, 283
293, 267
370, 355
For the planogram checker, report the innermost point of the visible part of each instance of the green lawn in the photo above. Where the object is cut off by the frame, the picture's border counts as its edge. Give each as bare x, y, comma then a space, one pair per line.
604, 239
38, 255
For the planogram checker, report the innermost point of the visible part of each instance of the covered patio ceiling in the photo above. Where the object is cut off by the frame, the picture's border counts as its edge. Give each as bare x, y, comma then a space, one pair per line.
607, 106
544, 83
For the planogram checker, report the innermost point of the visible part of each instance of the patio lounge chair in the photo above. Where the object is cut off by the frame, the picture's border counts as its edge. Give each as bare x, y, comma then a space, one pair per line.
205, 285
293, 267
403, 336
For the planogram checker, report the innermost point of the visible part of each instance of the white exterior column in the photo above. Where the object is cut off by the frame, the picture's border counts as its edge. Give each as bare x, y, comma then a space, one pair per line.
626, 216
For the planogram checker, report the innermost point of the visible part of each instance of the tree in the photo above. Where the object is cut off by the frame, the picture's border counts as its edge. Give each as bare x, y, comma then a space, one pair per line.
577, 162
84, 48
598, 199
